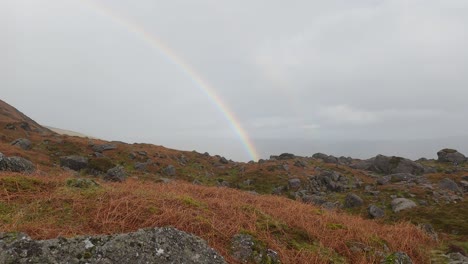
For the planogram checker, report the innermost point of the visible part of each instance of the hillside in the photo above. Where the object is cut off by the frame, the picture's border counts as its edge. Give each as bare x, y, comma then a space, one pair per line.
318, 209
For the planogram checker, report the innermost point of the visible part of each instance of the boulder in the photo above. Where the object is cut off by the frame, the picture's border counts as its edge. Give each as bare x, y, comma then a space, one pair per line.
286, 156
399, 204
390, 165
160, 245
116, 174
170, 170
448, 184
399, 177
294, 184
223, 160
451, 155
352, 200
15, 164
326, 158
74, 162
104, 147
375, 212
23, 143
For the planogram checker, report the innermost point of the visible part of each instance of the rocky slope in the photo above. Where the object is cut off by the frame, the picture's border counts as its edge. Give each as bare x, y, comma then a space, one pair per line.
429, 193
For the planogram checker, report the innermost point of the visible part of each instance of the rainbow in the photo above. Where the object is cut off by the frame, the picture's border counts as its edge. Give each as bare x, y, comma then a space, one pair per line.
172, 57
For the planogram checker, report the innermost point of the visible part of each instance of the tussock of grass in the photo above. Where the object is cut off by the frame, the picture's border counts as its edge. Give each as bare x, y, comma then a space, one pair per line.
300, 233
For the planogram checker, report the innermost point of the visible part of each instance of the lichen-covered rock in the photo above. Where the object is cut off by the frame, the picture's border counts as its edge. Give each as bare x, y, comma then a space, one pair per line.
82, 183
104, 147
74, 162
15, 164
246, 249
375, 212
448, 184
450, 155
400, 204
159, 245
390, 165
116, 174
23, 143
170, 170
352, 200
397, 258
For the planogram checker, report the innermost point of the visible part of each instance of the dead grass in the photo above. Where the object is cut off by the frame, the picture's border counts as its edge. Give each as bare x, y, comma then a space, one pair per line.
300, 233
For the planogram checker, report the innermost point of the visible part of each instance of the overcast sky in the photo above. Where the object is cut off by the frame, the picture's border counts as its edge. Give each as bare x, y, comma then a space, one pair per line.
301, 76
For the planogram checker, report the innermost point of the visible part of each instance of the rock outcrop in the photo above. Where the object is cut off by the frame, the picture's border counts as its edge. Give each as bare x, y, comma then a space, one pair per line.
15, 164
390, 165
159, 245
74, 162
22, 143
451, 155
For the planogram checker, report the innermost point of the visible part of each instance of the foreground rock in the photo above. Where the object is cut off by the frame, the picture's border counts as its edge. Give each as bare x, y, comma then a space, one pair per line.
15, 164
451, 155
160, 245
391, 165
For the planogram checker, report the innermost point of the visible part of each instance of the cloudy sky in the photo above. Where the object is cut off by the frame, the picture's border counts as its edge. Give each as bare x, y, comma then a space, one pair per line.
344, 77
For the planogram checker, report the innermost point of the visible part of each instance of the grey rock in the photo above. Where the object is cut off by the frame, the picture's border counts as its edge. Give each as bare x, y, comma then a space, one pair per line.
300, 164
116, 174
451, 155
390, 165
448, 184
399, 204
142, 153
294, 184
397, 258
375, 212
223, 160
398, 177
141, 166
15, 164
457, 258
326, 158
464, 185
286, 156
383, 180
246, 249
159, 245
352, 200
74, 162
82, 183
104, 147
23, 143
170, 170
10, 127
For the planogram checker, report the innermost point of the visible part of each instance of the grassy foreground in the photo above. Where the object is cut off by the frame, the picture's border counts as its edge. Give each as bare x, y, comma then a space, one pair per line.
45, 206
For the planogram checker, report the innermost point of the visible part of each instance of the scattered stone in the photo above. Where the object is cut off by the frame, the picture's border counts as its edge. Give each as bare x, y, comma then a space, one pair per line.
464, 185
104, 147
170, 170
375, 212
246, 249
294, 184
10, 127
141, 166
15, 164
352, 200
397, 258
457, 258
74, 162
23, 143
285, 167
448, 184
399, 177
116, 174
300, 164
429, 229
142, 153
383, 180
451, 155
196, 182
82, 183
132, 156
399, 204
160, 245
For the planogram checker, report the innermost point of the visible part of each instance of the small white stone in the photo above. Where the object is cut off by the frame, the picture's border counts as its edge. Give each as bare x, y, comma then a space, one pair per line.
159, 252
88, 244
